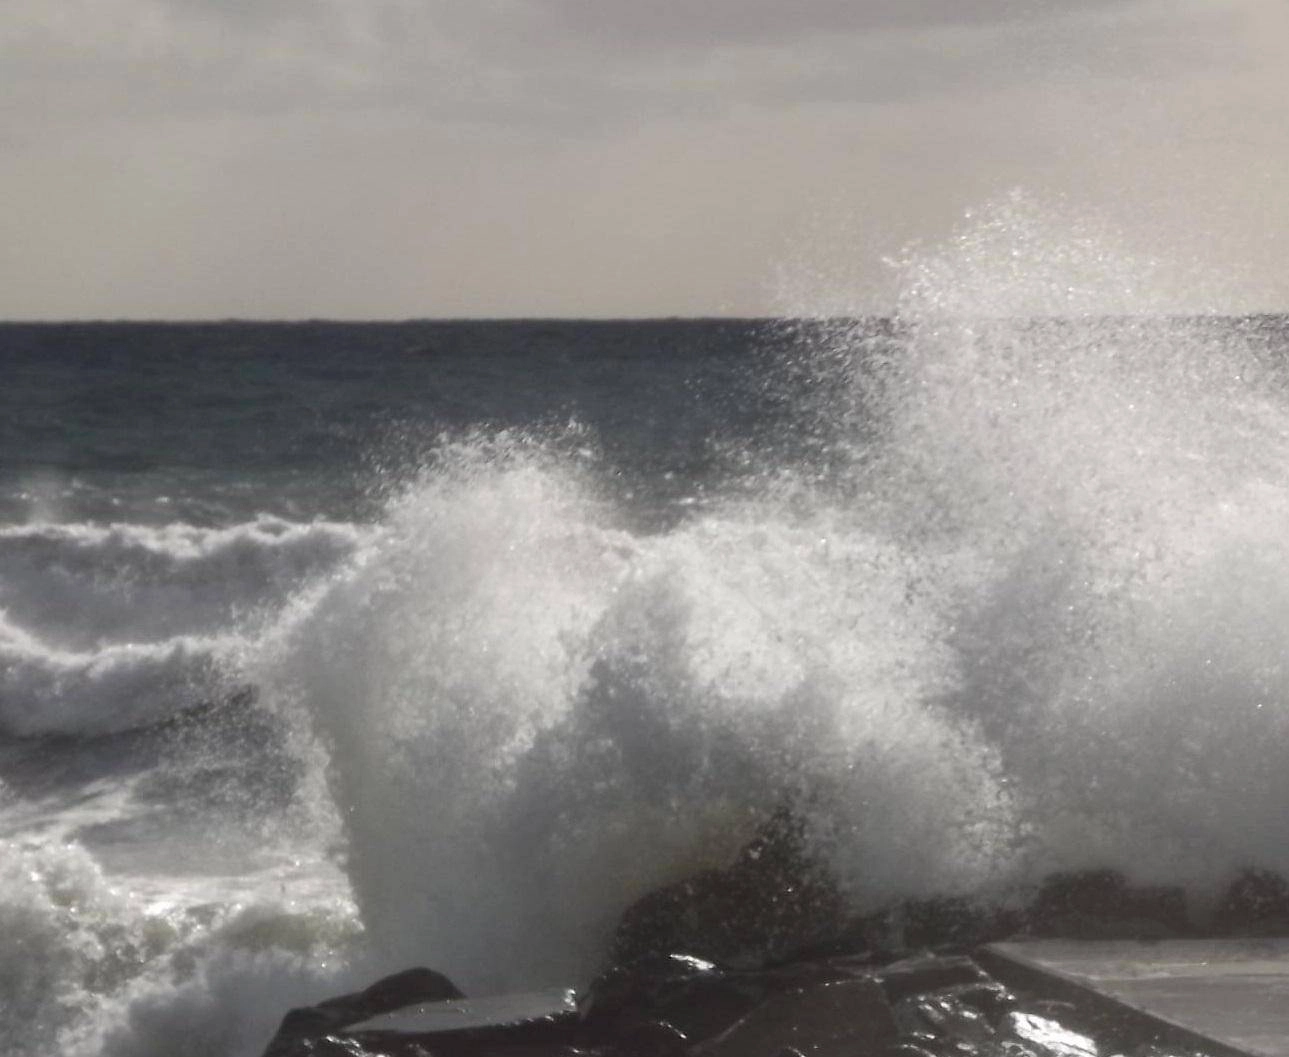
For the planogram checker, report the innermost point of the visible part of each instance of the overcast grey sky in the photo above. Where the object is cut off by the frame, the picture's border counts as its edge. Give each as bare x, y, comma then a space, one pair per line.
395, 158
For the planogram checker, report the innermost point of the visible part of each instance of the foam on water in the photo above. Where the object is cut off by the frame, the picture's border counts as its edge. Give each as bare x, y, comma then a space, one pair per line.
83, 585
89, 967
164, 886
107, 627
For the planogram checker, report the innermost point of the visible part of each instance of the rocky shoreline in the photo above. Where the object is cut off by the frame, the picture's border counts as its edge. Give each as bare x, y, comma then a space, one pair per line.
759, 960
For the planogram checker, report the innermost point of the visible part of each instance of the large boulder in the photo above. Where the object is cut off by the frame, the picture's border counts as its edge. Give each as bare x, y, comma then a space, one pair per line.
1255, 904
303, 1028
1100, 904
771, 902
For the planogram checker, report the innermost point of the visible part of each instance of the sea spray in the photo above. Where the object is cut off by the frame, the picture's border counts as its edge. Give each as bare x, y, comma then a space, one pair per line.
1018, 606
1117, 489
535, 717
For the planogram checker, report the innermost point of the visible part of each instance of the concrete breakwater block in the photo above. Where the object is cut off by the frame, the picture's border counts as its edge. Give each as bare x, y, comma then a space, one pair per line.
1227, 997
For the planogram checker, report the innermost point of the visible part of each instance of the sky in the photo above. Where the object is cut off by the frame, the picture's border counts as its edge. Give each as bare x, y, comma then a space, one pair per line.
372, 159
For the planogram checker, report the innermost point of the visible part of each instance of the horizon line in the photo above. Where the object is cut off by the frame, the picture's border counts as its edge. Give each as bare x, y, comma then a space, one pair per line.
548, 320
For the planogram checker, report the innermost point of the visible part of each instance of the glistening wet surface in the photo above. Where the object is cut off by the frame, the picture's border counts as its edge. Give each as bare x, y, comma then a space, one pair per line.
1233, 991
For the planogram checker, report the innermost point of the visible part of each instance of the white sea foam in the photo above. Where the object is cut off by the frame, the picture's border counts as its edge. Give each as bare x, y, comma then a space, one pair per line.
84, 585
534, 718
45, 690
103, 628
89, 968
1122, 486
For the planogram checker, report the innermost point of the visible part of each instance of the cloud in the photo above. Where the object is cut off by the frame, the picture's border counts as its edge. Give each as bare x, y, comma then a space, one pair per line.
578, 65
678, 23
386, 157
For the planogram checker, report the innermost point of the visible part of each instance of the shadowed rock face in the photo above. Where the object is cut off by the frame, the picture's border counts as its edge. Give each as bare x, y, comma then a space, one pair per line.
772, 901
1100, 904
1256, 903
923, 1006
303, 1030
761, 960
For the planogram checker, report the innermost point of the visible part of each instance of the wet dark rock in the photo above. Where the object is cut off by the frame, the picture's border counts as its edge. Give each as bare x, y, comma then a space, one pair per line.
1100, 904
644, 981
909, 1048
1045, 1037
395, 1044
309, 1026
697, 998
772, 901
774, 970
942, 1015
847, 1018
549, 1034
329, 1046
925, 973
692, 996
988, 997
955, 921
680, 1006
651, 1038
1256, 903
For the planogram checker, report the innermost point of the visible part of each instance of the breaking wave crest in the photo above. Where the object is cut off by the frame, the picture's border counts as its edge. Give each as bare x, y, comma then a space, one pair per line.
103, 628
1023, 607
535, 717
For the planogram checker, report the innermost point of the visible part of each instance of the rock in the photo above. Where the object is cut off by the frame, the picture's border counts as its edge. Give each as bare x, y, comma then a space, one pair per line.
303, 1029
523, 1025
846, 1018
969, 1013
1100, 904
936, 923
942, 1016
651, 1038
908, 1048
1048, 1038
694, 997
989, 997
772, 901
777, 971
1256, 903
927, 973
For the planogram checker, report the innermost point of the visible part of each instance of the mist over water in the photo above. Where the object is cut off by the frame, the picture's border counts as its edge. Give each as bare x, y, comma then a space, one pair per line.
993, 587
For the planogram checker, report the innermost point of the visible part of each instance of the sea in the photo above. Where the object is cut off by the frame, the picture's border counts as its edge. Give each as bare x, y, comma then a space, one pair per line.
328, 649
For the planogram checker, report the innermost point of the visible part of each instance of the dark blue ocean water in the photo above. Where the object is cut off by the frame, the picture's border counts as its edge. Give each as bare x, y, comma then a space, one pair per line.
206, 422
326, 649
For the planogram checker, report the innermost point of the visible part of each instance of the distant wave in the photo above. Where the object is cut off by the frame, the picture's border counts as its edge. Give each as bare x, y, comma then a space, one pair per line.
108, 627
